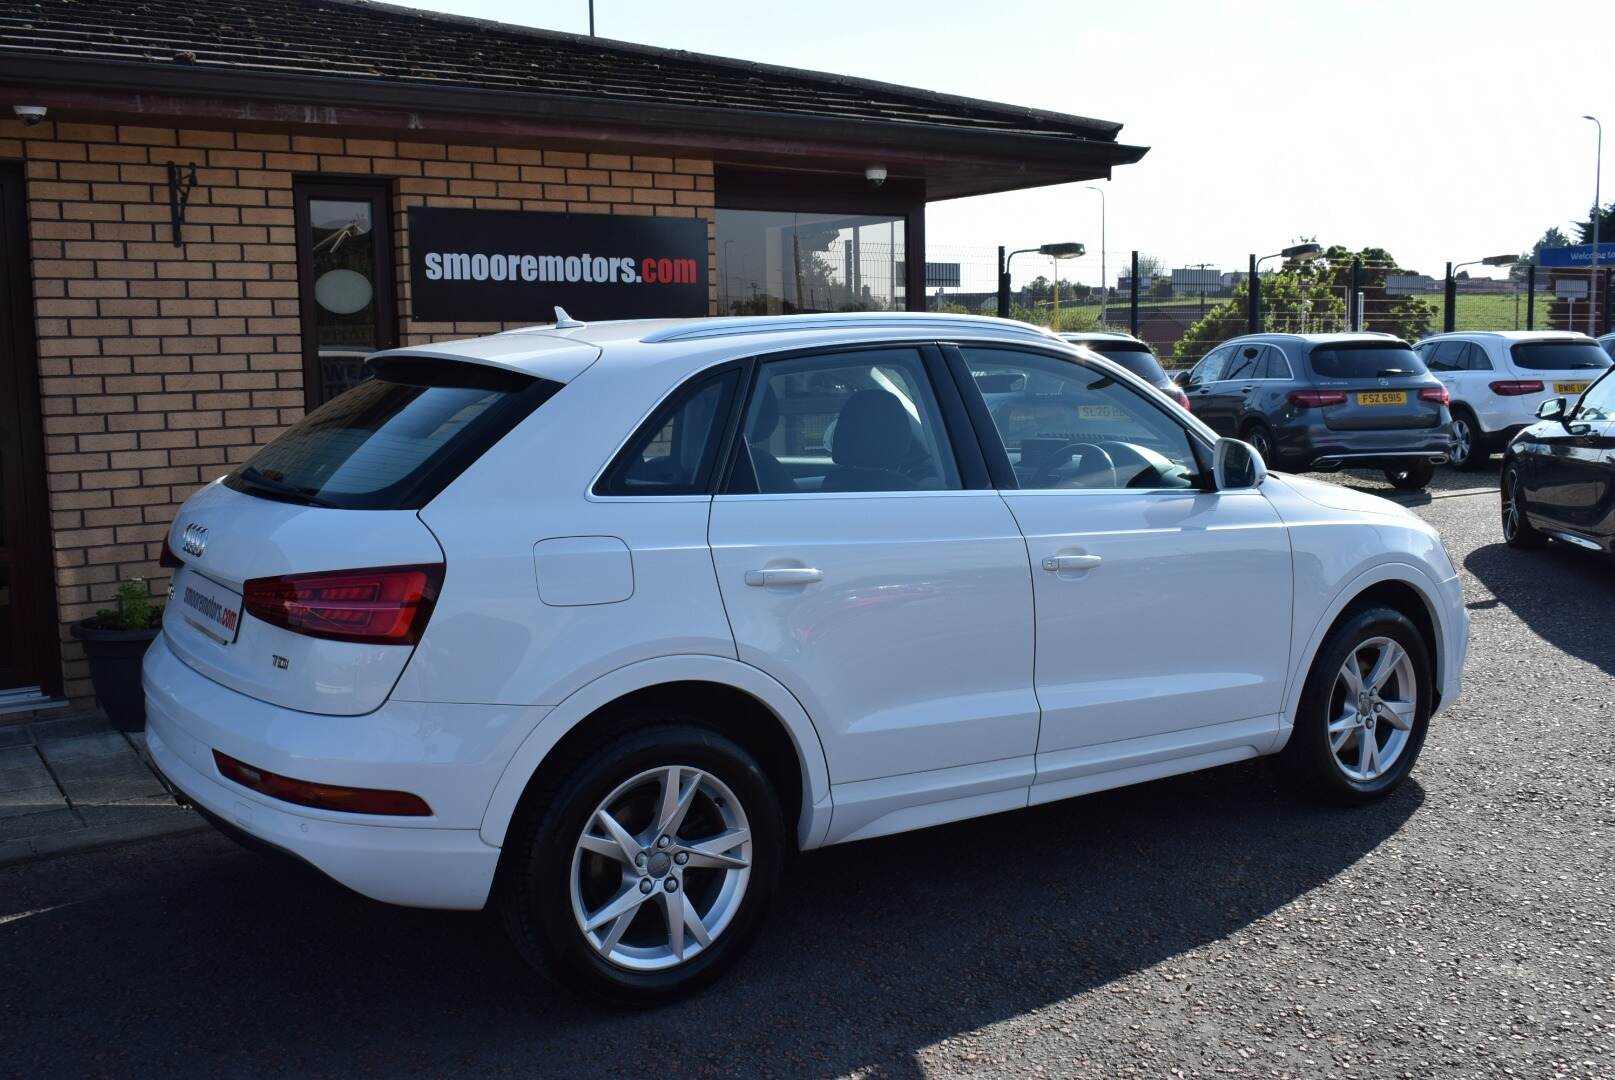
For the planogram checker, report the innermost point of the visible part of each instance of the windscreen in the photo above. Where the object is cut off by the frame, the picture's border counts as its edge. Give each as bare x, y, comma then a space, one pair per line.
1365, 360
1136, 358
1560, 356
395, 441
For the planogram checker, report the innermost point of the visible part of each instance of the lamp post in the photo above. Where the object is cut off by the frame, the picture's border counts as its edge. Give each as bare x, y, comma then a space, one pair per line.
1296, 252
1449, 321
1104, 280
1067, 250
1592, 280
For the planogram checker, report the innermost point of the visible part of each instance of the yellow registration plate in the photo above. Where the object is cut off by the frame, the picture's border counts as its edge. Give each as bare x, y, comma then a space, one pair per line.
1100, 412
1569, 387
1383, 397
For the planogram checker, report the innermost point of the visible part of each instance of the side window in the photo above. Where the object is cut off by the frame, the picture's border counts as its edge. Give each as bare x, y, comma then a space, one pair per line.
677, 449
1245, 363
1275, 365
1210, 369
1475, 358
1443, 356
1599, 402
1067, 426
852, 421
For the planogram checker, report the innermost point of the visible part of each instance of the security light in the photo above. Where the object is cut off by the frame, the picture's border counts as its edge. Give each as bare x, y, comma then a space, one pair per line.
1069, 250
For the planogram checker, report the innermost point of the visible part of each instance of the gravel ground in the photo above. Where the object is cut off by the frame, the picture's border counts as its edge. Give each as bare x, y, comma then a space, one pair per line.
1205, 925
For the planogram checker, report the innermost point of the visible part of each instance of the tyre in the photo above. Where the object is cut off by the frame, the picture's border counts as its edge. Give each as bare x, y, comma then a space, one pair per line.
1260, 436
645, 873
1363, 712
1518, 532
1469, 449
1411, 476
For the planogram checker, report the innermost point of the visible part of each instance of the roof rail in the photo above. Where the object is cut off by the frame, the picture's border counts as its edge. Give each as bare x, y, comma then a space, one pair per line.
780, 324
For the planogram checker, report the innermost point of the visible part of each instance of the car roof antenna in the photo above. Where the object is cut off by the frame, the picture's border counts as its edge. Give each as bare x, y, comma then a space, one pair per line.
563, 321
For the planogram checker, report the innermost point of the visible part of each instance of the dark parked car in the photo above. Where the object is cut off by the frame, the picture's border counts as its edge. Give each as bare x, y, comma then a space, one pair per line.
1132, 354
1327, 401
1559, 473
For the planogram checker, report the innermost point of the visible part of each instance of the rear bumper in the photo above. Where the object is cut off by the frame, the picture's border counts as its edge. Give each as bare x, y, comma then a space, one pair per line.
447, 754
1312, 446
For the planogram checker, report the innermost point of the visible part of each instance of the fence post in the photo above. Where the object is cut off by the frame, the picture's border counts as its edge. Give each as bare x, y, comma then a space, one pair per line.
1530, 297
1003, 286
1254, 296
1356, 312
1603, 326
1132, 301
1449, 320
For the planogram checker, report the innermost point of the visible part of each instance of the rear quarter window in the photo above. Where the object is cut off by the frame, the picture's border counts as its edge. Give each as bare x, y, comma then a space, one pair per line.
1361, 360
1560, 356
394, 441
1139, 360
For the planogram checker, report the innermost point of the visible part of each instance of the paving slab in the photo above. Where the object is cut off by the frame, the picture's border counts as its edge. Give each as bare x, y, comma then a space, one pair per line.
21, 767
34, 800
31, 825
15, 735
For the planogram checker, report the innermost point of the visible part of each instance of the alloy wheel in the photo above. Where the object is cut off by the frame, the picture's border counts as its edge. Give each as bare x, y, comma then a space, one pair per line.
1372, 709
1463, 442
661, 868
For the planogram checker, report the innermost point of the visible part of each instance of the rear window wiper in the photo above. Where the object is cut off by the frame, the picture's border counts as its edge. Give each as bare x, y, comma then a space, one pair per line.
251, 476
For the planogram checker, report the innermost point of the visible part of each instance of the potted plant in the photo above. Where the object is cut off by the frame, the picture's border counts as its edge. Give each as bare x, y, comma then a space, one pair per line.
115, 640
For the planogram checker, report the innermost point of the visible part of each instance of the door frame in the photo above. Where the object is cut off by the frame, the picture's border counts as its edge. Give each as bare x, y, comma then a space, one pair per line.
38, 647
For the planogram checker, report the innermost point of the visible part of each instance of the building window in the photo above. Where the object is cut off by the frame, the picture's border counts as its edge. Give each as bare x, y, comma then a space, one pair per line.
346, 283
773, 262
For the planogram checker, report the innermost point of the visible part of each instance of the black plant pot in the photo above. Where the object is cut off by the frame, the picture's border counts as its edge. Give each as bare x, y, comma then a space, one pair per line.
115, 657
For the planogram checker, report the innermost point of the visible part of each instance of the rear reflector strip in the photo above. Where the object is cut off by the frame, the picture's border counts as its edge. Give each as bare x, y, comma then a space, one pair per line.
387, 605
348, 800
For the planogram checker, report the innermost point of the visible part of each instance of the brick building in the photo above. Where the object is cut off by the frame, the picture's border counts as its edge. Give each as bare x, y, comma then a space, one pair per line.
210, 226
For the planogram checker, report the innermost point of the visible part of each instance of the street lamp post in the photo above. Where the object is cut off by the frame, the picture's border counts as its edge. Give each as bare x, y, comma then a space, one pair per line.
1066, 250
1297, 252
1449, 317
1104, 280
1592, 281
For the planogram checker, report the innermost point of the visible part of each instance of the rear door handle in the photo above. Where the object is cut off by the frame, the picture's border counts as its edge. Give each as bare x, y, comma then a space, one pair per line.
1054, 564
1246, 389
784, 575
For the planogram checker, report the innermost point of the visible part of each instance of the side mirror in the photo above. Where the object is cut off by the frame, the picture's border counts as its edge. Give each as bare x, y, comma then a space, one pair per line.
1236, 465
1552, 409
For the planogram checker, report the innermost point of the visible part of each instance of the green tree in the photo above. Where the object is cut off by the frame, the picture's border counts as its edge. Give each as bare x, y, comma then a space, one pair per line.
1294, 300
1606, 226
1407, 317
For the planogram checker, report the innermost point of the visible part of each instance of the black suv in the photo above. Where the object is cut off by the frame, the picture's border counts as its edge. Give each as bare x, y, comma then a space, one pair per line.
1327, 401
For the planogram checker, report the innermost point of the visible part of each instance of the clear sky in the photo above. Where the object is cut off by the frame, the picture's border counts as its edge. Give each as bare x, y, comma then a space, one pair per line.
1438, 129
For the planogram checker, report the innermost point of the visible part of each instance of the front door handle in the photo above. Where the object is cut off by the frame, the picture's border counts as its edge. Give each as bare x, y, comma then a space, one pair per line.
1055, 564
784, 575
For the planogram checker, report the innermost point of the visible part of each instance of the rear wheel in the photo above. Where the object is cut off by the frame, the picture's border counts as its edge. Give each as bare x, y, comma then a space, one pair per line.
1363, 712
1518, 532
646, 873
1260, 436
1411, 476
1469, 449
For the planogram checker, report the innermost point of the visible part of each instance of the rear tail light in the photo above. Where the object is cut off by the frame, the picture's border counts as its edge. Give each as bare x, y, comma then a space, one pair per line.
1316, 399
168, 560
1517, 387
384, 606
349, 800
1437, 394
1178, 396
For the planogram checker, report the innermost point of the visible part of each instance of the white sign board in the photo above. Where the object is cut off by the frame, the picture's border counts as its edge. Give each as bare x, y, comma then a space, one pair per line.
1570, 289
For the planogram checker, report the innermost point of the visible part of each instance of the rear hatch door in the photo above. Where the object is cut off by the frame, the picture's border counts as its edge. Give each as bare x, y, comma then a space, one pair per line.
1565, 367
1381, 381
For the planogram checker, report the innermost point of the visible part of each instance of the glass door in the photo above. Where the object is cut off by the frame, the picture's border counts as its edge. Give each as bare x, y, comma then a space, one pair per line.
345, 273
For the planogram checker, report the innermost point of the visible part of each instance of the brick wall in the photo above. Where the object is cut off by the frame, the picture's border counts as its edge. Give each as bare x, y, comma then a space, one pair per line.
162, 367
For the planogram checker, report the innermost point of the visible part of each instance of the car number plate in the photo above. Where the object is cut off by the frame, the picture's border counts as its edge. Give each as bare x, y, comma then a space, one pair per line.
1569, 387
1383, 397
212, 609
1100, 412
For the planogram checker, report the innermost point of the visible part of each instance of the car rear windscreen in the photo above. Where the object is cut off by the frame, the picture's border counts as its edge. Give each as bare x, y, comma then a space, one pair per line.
1135, 358
1365, 360
394, 441
1560, 356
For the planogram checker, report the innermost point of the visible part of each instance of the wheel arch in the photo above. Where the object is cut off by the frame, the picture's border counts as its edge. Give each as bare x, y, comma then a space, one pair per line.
754, 710
1399, 586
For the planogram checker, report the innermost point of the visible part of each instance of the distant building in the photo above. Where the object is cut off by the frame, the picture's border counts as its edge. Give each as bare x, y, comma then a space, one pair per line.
1194, 280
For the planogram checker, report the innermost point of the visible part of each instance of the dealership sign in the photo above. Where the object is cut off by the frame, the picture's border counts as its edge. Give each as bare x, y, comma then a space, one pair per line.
1577, 255
517, 266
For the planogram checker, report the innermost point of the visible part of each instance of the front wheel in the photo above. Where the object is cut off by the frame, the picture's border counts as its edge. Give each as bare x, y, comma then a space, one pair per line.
1363, 712
1518, 532
645, 875
1413, 476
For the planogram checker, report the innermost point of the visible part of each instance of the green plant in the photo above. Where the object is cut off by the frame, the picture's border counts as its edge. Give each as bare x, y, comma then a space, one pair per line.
134, 610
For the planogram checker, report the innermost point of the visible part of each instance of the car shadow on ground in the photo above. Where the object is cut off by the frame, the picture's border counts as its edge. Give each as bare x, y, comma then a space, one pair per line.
1562, 594
204, 959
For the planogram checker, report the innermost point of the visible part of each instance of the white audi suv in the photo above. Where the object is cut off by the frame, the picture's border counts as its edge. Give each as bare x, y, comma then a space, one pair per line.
599, 624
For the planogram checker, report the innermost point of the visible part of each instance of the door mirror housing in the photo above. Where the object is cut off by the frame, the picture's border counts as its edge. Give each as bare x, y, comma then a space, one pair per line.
1236, 465
1552, 409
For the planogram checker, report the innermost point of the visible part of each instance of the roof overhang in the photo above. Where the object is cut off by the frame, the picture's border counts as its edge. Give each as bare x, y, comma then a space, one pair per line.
952, 162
